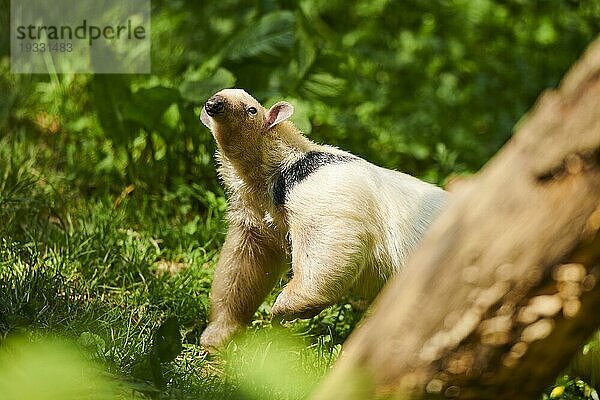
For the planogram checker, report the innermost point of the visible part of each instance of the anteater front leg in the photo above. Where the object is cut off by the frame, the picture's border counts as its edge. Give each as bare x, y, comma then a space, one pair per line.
327, 258
250, 263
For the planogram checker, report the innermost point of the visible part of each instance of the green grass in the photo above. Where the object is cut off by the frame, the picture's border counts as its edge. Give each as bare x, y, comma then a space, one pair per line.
124, 274
111, 223
107, 270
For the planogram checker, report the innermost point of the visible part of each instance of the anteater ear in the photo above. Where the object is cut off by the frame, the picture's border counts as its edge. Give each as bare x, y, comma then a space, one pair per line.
279, 112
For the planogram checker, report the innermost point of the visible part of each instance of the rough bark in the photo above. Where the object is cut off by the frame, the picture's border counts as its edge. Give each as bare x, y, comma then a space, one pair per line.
503, 290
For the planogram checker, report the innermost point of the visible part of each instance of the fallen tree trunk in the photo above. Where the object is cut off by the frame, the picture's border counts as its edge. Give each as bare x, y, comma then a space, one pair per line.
503, 290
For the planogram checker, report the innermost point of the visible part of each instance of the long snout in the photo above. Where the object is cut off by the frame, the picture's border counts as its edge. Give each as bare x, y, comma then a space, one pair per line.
215, 105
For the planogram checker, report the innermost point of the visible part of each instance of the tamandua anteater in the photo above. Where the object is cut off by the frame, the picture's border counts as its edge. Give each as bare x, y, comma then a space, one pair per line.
346, 224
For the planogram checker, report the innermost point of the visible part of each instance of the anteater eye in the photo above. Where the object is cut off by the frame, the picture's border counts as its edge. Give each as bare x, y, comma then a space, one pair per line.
252, 110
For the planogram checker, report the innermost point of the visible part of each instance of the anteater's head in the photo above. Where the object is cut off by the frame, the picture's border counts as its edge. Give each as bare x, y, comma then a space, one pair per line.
238, 121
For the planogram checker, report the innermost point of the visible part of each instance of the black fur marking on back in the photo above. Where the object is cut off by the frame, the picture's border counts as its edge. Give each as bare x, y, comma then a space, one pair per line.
291, 175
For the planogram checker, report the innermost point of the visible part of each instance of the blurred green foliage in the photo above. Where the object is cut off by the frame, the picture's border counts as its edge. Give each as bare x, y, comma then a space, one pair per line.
51, 369
273, 365
111, 214
427, 87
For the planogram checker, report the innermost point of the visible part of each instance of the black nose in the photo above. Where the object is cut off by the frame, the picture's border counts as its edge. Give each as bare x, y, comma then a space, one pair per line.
214, 105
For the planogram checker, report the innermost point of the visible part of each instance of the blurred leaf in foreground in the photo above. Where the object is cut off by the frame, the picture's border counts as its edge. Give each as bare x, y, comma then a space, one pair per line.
273, 365
49, 370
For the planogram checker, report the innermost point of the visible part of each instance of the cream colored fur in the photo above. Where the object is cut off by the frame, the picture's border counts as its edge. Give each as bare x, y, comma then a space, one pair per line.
347, 227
